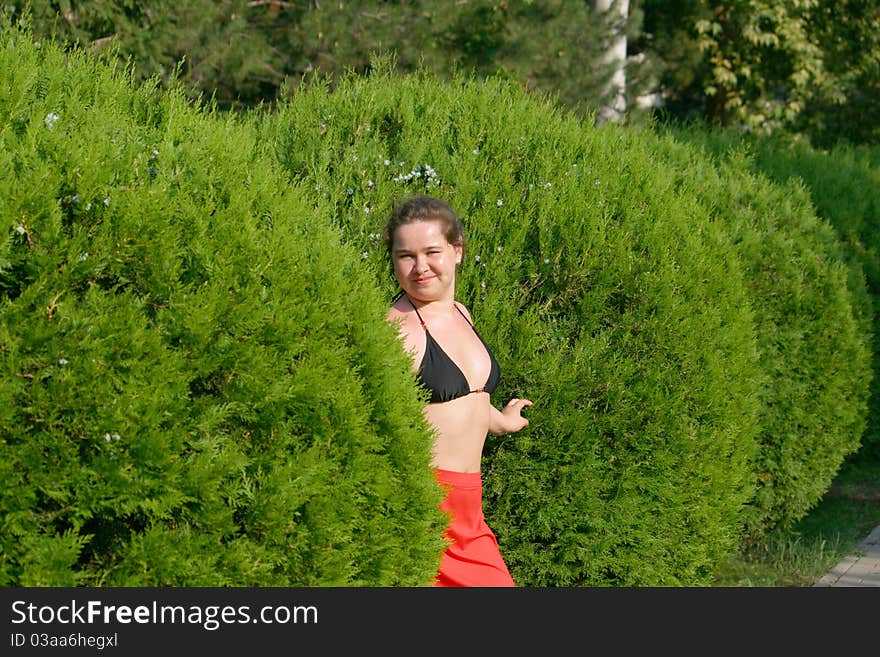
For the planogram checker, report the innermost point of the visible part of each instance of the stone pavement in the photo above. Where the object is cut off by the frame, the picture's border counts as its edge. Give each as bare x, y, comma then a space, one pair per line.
861, 568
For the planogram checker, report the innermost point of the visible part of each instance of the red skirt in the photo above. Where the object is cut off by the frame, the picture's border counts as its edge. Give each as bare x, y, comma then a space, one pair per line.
472, 558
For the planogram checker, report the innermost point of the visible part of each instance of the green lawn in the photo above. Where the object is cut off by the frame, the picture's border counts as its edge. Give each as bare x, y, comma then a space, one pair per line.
847, 513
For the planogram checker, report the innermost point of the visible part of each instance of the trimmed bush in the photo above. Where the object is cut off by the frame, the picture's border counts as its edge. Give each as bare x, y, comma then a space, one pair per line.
843, 184
199, 387
198, 384
607, 293
813, 332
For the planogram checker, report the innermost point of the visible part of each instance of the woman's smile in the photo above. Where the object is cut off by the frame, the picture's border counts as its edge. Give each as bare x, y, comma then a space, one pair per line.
424, 260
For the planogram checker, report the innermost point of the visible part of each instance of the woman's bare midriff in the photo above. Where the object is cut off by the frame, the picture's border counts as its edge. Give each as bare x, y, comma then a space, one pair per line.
461, 427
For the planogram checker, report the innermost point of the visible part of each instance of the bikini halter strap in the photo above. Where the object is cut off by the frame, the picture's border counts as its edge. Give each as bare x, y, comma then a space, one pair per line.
419, 315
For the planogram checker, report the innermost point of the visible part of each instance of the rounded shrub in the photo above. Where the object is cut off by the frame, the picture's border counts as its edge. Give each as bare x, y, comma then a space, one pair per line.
811, 323
609, 296
198, 384
843, 184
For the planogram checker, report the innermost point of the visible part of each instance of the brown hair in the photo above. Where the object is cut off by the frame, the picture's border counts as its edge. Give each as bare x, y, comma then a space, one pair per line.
425, 208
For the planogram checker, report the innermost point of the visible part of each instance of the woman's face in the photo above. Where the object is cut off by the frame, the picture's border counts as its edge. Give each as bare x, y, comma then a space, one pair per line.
424, 261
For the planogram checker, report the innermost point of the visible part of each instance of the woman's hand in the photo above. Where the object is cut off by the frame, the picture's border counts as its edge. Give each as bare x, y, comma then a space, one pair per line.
509, 419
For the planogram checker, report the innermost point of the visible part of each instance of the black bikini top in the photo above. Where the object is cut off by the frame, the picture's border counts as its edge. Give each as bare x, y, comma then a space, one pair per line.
439, 373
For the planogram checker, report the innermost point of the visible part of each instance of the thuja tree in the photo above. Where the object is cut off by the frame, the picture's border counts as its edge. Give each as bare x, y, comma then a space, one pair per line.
198, 385
812, 322
843, 184
607, 293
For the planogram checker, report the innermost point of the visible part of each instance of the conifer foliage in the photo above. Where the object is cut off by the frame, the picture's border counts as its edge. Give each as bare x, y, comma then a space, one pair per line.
812, 320
198, 385
609, 299
682, 325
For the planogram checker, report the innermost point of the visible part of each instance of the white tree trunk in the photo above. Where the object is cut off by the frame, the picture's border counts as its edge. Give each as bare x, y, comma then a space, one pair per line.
615, 57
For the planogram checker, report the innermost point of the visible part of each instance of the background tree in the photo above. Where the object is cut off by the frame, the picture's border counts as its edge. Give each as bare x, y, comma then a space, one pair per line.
849, 107
808, 67
243, 52
213, 47
615, 57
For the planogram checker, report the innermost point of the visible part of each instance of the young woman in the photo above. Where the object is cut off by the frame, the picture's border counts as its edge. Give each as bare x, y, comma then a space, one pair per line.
425, 240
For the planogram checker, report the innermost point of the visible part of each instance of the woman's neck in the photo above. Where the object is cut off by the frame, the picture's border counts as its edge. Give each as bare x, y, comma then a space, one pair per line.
437, 307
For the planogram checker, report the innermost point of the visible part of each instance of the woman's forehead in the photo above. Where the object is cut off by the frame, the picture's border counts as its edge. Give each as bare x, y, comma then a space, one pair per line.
421, 232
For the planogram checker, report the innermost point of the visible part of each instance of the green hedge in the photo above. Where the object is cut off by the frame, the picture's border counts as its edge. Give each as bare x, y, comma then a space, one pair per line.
811, 311
843, 184
198, 385
610, 298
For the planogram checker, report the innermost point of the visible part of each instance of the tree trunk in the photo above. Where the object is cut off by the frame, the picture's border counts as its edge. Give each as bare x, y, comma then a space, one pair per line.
615, 58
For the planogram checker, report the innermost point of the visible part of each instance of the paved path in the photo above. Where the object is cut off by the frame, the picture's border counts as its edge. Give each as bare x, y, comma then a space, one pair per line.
861, 568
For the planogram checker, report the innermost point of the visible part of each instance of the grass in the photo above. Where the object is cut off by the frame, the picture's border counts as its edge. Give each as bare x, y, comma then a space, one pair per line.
847, 513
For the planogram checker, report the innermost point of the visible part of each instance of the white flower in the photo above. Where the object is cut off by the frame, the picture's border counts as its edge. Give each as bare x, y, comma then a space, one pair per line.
20, 229
546, 261
477, 258
107, 201
83, 256
387, 162
417, 172
63, 361
349, 191
499, 249
51, 119
499, 203
370, 183
476, 151
548, 185
483, 284
365, 255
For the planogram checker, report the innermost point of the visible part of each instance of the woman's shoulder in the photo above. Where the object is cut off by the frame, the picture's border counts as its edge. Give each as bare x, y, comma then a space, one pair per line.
400, 311
464, 311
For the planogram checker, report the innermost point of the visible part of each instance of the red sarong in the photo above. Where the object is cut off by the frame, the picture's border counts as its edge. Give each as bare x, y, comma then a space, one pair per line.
472, 558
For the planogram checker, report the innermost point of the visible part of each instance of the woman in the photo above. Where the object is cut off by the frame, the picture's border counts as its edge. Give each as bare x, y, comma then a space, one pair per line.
425, 240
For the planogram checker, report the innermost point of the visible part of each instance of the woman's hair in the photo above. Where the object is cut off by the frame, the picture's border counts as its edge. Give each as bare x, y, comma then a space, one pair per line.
425, 208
